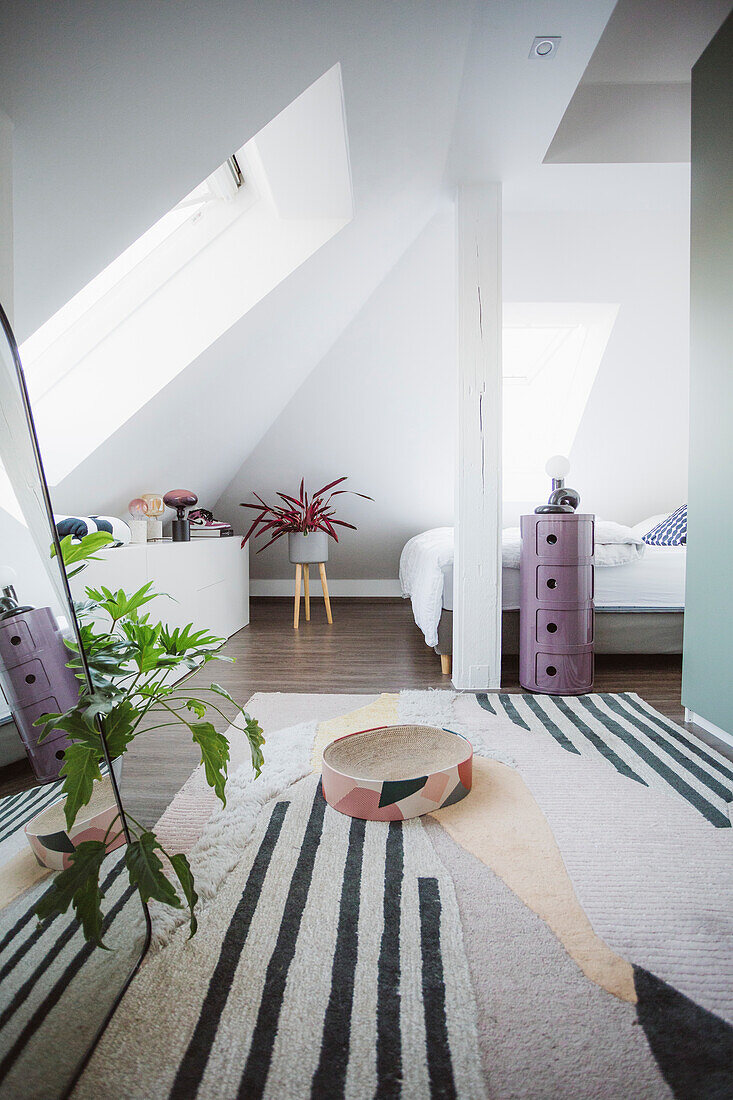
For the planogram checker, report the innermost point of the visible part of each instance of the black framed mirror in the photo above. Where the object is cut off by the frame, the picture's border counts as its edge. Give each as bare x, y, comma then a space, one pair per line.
57, 990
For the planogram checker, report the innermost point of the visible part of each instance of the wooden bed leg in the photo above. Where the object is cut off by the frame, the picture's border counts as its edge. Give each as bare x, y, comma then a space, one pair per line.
296, 611
307, 594
445, 664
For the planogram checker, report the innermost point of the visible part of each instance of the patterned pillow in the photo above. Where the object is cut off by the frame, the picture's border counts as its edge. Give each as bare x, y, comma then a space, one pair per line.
672, 531
78, 526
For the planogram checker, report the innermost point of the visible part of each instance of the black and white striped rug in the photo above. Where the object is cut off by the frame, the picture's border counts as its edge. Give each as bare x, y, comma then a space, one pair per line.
631, 737
55, 989
331, 964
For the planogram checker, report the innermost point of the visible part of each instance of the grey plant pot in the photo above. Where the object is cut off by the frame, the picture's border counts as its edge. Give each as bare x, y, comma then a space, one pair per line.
305, 549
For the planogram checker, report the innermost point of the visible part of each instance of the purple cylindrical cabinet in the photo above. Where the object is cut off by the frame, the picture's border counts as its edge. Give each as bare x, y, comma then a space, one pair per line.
556, 604
36, 681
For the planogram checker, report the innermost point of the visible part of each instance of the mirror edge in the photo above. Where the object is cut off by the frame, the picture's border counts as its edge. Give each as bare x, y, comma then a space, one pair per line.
10, 336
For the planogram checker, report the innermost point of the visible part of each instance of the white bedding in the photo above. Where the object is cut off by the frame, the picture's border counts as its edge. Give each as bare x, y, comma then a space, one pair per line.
655, 578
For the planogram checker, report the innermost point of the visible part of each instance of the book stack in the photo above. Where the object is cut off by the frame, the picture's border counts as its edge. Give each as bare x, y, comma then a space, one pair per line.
211, 530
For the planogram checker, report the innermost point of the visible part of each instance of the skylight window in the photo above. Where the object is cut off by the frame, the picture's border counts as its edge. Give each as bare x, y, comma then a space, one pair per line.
183, 283
551, 355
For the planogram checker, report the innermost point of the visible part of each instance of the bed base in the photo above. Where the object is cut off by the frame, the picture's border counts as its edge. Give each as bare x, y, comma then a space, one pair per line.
642, 630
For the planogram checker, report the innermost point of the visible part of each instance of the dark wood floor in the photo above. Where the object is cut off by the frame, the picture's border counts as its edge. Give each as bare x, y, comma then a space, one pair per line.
372, 646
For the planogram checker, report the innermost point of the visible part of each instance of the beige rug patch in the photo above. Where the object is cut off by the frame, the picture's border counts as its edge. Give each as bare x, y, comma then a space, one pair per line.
382, 712
501, 824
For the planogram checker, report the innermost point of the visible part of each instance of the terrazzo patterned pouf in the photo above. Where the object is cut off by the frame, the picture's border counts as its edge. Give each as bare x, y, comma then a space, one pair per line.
394, 772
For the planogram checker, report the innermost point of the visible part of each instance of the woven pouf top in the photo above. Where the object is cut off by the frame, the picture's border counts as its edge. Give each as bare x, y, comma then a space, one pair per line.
394, 772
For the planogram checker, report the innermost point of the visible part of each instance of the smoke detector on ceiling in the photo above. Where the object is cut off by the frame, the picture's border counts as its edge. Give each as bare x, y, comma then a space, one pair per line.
545, 47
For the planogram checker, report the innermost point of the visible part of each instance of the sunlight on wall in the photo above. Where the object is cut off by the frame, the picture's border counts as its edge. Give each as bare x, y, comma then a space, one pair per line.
551, 355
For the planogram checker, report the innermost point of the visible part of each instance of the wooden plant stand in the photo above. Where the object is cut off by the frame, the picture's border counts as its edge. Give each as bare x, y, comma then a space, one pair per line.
302, 571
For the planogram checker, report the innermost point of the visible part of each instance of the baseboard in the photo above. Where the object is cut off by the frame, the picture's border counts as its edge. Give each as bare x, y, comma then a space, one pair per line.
709, 727
336, 587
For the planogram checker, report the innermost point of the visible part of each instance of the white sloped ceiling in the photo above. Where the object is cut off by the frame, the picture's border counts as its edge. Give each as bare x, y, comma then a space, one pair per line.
119, 109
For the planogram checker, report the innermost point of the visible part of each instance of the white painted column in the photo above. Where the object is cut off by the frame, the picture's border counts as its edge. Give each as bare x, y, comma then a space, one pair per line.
477, 570
6, 214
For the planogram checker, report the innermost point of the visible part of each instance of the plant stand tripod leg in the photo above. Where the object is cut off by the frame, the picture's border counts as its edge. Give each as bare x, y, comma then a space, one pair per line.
296, 612
306, 591
324, 584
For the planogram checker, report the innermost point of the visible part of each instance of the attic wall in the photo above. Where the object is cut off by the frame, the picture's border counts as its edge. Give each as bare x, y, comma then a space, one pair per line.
381, 405
381, 408
629, 460
136, 108
120, 109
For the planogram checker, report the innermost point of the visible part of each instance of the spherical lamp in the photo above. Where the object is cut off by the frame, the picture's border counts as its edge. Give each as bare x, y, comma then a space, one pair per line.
156, 507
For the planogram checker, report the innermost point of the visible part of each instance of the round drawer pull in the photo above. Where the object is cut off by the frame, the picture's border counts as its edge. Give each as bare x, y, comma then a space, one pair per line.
552, 539
30, 678
552, 628
551, 670
15, 640
552, 583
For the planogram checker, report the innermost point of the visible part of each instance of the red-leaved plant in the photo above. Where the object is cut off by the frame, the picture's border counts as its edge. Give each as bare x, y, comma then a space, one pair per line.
299, 514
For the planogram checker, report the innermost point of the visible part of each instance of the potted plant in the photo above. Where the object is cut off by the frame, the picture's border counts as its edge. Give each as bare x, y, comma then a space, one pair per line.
308, 522
134, 665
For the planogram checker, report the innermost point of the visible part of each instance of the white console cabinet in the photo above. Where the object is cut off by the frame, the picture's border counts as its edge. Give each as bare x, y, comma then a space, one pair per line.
206, 581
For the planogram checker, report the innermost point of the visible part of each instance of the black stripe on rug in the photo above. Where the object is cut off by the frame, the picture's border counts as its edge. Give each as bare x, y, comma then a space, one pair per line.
710, 812
389, 1036
707, 780
483, 701
330, 1076
38, 931
193, 1064
598, 743
259, 1058
26, 810
440, 1066
511, 711
59, 987
719, 764
561, 738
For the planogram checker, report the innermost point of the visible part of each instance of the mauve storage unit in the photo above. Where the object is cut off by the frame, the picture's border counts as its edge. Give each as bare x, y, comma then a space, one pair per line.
36, 681
556, 604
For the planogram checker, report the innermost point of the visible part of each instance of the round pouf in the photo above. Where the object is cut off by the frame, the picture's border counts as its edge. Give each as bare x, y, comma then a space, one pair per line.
394, 772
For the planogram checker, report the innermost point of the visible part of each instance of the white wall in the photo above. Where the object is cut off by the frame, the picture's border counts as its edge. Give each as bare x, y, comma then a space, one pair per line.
629, 460
381, 404
381, 408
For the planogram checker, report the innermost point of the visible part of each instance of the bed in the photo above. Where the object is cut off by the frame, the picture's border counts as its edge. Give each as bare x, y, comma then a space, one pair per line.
639, 604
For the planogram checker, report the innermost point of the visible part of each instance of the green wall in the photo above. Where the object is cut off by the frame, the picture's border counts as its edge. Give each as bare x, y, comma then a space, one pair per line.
707, 683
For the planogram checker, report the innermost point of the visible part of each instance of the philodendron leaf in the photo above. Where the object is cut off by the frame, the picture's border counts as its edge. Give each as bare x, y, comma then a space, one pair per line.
214, 756
146, 871
81, 768
256, 738
119, 727
78, 885
223, 692
197, 707
83, 549
182, 868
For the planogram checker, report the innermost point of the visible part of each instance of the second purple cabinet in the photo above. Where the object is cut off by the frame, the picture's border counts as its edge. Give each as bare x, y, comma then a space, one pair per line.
556, 604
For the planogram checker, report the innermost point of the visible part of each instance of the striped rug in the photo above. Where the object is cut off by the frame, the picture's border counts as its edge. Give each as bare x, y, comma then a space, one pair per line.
330, 965
17, 810
55, 989
567, 930
631, 737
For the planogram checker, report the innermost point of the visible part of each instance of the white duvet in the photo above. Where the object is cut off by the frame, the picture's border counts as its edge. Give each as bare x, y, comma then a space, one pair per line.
425, 556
